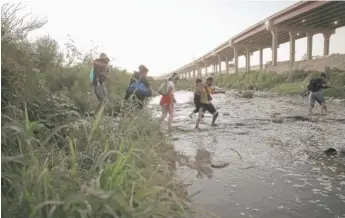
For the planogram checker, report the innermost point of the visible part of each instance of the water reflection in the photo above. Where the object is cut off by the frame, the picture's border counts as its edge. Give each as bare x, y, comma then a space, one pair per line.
284, 173
203, 163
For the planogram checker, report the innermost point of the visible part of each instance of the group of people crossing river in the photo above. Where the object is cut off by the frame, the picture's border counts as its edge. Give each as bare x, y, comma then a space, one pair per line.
139, 90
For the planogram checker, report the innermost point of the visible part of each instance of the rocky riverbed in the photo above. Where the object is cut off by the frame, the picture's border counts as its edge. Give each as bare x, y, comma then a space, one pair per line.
277, 167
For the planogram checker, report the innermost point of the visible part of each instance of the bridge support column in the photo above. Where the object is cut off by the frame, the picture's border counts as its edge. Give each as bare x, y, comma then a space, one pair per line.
292, 47
235, 59
206, 69
219, 64
189, 74
309, 46
326, 38
199, 72
248, 60
214, 69
227, 64
261, 58
274, 47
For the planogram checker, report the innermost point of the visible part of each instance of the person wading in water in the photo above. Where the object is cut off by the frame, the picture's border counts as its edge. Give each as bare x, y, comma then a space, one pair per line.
168, 100
314, 89
198, 84
100, 71
205, 92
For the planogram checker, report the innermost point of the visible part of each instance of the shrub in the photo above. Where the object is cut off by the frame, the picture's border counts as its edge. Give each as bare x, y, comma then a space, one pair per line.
101, 169
58, 163
286, 83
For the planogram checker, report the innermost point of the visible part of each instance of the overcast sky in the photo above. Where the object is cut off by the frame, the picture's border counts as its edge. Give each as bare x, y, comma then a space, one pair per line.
162, 34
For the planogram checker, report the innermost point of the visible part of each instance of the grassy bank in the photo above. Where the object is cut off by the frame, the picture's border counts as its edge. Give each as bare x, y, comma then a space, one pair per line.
56, 161
288, 83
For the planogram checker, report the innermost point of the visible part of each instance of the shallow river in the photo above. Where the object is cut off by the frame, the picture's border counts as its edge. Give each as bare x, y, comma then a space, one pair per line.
283, 171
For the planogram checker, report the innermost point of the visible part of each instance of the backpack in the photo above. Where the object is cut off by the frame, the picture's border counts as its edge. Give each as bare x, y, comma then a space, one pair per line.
163, 88
313, 85
138, 88
91, 75
209, 97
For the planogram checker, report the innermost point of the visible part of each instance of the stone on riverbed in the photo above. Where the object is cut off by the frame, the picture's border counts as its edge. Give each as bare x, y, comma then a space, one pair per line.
331, 152
247, 94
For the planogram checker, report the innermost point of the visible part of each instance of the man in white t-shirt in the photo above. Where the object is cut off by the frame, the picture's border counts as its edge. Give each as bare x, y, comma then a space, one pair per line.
167, 101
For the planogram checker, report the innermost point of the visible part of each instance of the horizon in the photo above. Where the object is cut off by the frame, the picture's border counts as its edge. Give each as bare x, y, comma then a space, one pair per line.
164, 36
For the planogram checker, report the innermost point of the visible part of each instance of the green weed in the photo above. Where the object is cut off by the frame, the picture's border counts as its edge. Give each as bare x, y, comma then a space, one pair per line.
58, 162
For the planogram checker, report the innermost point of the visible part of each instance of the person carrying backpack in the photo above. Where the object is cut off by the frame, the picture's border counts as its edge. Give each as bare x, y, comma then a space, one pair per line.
314, 89
100, 74
139, 88
205, 92
168, 100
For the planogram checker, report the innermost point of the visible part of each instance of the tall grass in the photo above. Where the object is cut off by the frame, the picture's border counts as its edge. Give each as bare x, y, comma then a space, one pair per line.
120, 170
58, 162
286, 83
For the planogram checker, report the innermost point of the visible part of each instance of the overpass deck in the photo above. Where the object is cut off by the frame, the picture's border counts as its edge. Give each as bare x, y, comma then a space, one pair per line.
303, 19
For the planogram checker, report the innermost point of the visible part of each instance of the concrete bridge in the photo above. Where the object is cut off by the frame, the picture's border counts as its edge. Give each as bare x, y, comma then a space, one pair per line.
303, 19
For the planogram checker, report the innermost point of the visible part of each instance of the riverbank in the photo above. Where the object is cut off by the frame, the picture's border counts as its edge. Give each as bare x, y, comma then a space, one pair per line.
293, 83
57, 161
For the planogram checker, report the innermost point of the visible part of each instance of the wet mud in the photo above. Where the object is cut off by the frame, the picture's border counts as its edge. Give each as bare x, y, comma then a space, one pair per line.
271, 155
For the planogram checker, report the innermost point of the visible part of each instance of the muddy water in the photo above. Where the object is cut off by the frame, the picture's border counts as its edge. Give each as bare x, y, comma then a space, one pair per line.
283, 171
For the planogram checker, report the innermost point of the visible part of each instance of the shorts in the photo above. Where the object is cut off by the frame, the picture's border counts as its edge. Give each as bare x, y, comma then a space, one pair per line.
208, 107
197, 105
165, 100
101, 92
316, 96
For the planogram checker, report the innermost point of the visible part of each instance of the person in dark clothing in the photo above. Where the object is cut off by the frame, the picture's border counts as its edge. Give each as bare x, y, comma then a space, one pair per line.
198, 83
100, 70
137, 99
314, 90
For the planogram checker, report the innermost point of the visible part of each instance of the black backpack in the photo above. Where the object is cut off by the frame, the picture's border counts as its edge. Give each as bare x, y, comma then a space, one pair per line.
209, 97
313, 85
